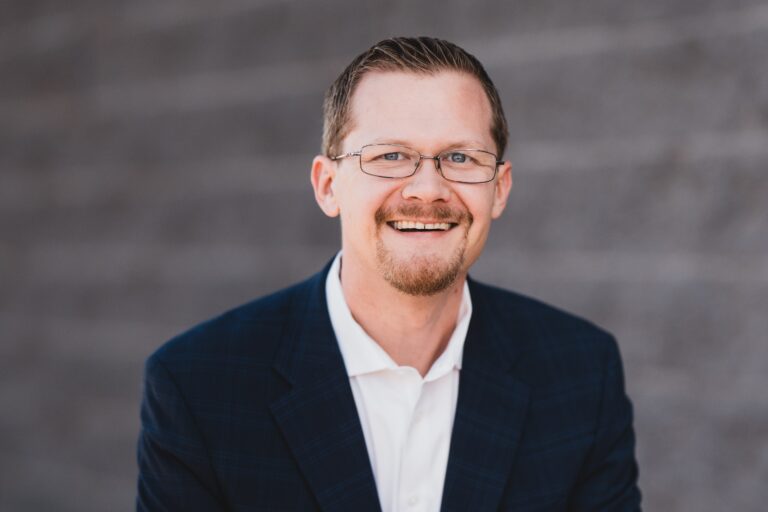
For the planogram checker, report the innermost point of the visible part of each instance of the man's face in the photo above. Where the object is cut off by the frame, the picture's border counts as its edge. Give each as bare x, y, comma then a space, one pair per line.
431, 114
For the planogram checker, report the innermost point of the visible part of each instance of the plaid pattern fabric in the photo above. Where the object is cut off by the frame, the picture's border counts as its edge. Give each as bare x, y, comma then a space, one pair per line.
252, 411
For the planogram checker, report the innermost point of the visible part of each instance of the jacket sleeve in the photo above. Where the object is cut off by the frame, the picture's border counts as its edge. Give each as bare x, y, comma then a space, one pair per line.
608, 481
175, 471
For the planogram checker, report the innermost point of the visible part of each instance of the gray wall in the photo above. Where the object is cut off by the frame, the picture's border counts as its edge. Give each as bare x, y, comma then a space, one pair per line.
154, 162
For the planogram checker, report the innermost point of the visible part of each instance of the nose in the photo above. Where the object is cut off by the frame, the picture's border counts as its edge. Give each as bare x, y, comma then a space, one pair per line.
427, 184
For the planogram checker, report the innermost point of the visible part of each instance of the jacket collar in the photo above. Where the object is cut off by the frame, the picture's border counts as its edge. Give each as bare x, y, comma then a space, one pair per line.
319, 420
318, 417
490, 413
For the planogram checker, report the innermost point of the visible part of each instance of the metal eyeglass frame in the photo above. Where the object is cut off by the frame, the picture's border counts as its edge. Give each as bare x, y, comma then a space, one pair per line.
436, 159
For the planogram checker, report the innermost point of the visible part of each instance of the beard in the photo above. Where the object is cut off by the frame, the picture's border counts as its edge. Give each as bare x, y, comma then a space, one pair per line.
424, 274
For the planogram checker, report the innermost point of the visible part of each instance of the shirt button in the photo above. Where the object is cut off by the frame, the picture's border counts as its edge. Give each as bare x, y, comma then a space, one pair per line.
413, 501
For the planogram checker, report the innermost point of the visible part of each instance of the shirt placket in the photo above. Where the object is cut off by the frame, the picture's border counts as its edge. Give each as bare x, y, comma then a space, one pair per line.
415, 471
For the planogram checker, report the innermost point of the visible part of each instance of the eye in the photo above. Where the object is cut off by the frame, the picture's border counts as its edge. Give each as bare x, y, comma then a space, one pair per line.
389, 156
457, 157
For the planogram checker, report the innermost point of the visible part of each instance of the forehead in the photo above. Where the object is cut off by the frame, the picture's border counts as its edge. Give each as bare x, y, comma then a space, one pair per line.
421, 109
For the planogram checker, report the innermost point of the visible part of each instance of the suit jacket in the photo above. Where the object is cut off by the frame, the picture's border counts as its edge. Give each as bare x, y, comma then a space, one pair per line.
253, 411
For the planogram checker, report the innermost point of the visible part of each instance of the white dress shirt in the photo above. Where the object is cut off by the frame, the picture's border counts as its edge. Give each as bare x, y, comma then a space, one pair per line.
407, 420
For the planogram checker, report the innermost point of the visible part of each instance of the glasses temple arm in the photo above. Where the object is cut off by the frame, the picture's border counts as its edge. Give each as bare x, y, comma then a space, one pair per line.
346, 155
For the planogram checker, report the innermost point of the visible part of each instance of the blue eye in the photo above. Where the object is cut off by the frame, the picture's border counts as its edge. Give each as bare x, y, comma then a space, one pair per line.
457, 158
390, 156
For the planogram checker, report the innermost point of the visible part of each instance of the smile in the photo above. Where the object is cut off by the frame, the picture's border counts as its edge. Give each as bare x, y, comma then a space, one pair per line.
411, 226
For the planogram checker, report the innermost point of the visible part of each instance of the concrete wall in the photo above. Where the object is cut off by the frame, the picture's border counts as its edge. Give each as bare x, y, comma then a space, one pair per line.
154, 162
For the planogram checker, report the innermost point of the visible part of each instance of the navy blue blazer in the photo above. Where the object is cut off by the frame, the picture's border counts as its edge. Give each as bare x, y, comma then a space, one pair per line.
253, 411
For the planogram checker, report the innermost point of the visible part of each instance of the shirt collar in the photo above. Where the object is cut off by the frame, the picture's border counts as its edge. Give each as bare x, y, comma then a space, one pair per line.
363, 355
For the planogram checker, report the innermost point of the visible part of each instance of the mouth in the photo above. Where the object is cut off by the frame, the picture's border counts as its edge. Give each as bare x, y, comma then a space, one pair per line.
408, 226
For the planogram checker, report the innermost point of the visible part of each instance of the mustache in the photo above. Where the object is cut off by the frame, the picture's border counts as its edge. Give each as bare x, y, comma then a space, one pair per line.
416, 211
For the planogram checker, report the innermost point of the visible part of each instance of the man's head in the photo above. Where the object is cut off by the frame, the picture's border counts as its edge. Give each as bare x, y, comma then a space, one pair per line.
419, 55
420, 229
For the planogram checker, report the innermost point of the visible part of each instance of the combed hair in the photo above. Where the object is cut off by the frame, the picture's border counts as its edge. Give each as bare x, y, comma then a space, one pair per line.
425, 55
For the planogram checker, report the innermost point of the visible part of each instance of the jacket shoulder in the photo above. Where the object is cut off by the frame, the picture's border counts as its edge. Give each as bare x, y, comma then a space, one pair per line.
510, 302
540, 327
249, 332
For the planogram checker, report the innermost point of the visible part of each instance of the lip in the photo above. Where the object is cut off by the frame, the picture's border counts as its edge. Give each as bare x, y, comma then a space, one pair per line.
413, 213
421, 224
424, 221
423, 233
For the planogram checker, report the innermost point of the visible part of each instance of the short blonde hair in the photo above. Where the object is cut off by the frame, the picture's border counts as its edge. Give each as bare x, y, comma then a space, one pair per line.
414, 54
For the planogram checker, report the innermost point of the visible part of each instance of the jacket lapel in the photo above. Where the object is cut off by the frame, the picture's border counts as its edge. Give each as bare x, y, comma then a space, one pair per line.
490, 414
318, 417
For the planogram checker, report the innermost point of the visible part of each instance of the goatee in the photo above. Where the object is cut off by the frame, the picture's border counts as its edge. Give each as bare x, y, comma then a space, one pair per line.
422, 275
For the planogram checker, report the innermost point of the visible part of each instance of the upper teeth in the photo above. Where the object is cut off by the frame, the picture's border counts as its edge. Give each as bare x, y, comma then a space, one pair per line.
405, 224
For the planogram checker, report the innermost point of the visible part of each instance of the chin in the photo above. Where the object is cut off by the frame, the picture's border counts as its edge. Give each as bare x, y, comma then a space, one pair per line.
420, 276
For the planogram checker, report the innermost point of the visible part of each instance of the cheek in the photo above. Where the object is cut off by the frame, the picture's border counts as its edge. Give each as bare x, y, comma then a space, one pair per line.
480, 205
363, 195
358, 207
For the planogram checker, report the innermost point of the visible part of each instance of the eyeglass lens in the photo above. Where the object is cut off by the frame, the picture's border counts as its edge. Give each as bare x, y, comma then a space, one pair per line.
392, 161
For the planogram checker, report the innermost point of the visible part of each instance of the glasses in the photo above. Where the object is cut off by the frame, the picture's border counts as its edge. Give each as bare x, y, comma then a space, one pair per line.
396, 161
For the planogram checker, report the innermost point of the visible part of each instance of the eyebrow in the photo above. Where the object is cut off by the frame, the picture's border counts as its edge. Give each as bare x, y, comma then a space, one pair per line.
461, 144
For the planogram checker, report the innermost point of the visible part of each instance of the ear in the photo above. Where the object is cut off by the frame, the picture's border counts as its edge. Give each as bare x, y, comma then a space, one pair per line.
502, 189
323, 179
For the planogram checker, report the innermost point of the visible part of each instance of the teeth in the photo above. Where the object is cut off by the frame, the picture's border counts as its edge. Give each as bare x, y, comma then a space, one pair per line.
406, 224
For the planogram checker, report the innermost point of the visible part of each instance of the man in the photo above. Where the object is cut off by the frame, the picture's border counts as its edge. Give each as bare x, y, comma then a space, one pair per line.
390, 381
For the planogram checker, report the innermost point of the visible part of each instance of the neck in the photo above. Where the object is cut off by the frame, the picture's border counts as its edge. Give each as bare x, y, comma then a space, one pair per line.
412, 330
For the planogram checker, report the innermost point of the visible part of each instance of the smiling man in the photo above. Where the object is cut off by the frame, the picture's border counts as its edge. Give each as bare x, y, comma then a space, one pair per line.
390, 381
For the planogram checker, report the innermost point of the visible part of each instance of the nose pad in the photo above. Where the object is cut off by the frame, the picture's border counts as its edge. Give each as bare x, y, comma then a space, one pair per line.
434, 159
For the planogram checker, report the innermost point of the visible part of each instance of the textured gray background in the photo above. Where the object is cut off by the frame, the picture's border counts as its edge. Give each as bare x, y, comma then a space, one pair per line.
154, 160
